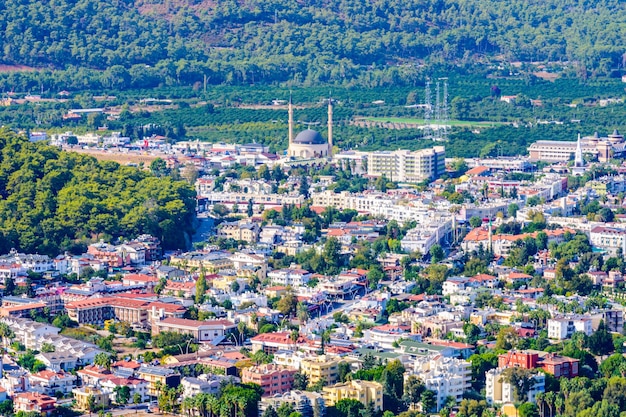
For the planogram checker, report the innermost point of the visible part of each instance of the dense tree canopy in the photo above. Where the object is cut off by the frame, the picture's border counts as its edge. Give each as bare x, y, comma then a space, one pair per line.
313, 41
51, 200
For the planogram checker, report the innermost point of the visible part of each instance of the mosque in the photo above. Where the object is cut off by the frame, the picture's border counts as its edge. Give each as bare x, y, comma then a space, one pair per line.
310, 144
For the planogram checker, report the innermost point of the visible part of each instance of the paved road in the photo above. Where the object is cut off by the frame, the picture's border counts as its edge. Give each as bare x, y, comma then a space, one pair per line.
126, 411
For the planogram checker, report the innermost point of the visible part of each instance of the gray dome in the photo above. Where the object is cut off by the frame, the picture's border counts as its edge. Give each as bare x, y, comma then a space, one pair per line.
309, 137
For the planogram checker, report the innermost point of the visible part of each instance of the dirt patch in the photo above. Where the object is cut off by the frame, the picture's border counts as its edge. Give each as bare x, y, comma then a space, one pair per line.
119, 157
548, 76
15, 68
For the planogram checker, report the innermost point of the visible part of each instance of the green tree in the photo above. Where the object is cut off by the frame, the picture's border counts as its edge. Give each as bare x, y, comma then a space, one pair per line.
601, 341
200, 289
158, 167
428, 400
436, 253
103, 359
413, 389
348, 407
122, 394
475, 221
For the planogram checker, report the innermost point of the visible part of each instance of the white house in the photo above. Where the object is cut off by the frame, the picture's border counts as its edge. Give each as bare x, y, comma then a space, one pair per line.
50, 382
293, 277
563, 327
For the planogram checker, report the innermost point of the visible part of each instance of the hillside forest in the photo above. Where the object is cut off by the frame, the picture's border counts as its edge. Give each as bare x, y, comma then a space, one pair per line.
51, 201
380, 42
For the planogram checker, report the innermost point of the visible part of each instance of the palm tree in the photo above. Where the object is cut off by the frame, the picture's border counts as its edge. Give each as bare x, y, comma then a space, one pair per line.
558, 403
295, 334
212, 405
6, 333
549, 400
241, 328
199, 402
540, 399
325, 339
188, 406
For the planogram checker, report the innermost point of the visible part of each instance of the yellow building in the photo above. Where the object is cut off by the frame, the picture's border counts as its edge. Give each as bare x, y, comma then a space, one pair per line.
223, 282
210, 262
83, 394
158, 377
321, 367
363, 391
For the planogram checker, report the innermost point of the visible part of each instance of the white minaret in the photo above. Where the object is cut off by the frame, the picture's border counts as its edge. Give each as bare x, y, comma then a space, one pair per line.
330, 126
290, 121
578, 156
490, 237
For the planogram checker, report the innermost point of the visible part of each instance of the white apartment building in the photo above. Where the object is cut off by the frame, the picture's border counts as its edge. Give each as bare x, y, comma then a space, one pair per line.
404, 165
229, 198
424, 236
499, 391
293, 277
560, 328
447, 377
29, 332
205, 384
611, 239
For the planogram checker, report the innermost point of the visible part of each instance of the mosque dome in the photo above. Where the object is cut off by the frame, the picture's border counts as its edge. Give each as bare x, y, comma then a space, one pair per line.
309, 137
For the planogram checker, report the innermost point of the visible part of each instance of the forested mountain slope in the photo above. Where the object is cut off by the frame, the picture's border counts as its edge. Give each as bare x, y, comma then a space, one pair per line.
315, 40
50, 200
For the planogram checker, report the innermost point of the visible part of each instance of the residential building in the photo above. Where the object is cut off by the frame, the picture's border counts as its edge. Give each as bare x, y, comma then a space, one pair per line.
309, 404
407, 166
387, 335
561, 328
292, 277
321, 367
28, 332
248, 232
58, 360
274, 379
209, 261
83, 395
155, 374
135, 386
50, 382
34, 402
557, 365
447, 377
499, 390
202, 331
365, 392
205, 384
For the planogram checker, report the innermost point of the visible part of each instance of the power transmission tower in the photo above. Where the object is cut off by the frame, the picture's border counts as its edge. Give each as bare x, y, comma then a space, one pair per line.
428, 111
444, 110
438, 112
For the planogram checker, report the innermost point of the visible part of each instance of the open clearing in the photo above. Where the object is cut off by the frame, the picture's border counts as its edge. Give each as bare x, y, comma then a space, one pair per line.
119, 157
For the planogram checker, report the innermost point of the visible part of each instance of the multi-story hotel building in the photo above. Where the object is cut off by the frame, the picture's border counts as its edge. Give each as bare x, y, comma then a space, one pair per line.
132, 311
404, 165
604, 148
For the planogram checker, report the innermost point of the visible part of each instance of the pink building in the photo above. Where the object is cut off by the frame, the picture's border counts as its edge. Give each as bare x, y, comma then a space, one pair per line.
274, 379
